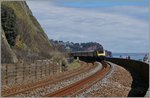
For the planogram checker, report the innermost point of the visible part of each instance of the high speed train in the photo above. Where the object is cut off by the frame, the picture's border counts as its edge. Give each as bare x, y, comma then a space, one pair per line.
93, 53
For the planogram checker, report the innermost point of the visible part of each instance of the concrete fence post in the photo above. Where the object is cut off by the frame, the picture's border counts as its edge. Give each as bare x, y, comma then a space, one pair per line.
29, 71
53, 69
45, 69
41, 71
49, 68
36, 71
23, 66
60, 68
6, 76
15, 73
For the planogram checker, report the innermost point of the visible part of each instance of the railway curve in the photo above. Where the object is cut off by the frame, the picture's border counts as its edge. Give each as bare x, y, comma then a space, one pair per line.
81, 85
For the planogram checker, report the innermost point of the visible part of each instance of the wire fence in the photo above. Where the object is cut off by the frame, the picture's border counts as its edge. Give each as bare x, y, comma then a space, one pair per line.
19, 73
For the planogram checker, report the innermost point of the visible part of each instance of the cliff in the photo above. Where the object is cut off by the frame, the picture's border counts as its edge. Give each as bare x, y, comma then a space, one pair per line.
22, 36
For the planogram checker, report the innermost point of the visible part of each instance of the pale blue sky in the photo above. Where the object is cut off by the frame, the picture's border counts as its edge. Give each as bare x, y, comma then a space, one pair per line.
100, 3
119, 25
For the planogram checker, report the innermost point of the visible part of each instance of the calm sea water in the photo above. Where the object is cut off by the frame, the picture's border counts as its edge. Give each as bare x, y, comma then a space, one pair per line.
134, 56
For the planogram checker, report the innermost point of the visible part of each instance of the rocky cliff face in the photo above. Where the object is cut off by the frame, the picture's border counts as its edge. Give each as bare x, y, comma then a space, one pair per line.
7, 54
22, 36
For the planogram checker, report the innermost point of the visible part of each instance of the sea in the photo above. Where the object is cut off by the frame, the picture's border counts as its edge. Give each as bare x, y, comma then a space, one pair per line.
134, 56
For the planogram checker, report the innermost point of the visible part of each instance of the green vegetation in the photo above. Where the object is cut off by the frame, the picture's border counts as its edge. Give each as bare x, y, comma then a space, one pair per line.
23, 13
74, 64
21, 44
20, 14
35, 22
8, 19
24, 34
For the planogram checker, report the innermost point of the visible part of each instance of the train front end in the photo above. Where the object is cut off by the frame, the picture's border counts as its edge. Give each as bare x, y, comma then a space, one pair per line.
101, 54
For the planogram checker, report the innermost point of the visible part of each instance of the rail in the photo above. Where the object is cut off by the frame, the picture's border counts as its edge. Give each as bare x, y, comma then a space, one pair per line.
50, 80
82, 84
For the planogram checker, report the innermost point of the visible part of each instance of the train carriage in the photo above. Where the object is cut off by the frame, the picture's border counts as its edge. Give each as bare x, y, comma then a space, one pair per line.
92, 53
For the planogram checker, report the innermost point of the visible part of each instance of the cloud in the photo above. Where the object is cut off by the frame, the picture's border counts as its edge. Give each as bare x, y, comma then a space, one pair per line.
137, 12
116, 31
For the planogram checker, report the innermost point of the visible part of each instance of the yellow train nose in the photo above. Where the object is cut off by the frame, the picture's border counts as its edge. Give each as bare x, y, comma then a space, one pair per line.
101, 54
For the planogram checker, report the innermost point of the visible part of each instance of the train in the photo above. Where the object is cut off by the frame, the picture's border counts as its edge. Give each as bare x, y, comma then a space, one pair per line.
101, 53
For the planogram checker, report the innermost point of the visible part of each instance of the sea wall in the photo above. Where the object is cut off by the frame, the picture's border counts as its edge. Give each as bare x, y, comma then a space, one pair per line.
139, 67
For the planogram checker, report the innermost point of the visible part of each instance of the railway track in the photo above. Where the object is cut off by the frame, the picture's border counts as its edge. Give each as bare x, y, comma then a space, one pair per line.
30, 87
81, 85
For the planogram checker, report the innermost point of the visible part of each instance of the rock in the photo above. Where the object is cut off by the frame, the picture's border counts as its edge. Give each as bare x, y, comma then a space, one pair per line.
7, 55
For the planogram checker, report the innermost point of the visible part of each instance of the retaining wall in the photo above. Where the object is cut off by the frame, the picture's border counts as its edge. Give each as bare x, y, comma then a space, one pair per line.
138, 66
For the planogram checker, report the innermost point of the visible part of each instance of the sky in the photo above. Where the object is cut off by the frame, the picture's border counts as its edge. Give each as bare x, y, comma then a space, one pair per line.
121, 26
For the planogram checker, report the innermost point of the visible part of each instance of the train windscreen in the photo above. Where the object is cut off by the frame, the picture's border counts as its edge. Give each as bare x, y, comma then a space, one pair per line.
100, 50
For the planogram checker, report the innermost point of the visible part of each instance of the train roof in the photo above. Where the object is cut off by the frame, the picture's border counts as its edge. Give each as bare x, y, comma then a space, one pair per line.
82, 51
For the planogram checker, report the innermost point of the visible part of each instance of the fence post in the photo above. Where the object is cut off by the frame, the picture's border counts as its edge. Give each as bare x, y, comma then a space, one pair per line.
23, 70
15, 73
49, 68
53, 69
45, 69
6, 76
59, 66
29, 72
41, 68
36, 70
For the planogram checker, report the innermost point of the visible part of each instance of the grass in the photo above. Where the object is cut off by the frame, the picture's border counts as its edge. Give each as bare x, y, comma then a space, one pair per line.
21, 13
75, 64
31, 37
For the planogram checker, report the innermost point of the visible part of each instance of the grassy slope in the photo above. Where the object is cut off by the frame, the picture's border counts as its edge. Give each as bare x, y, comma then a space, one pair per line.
22, 13
33, 38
